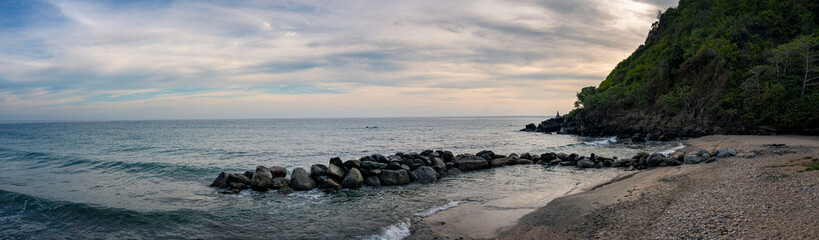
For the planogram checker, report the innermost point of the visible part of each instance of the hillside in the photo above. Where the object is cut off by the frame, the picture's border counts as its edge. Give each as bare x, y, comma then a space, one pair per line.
711, 66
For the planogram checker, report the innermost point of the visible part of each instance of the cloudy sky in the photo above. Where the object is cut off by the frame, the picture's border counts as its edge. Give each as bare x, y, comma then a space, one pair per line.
69, 60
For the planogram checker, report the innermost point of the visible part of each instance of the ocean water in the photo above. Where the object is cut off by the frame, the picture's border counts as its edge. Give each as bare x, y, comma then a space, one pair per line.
149, 179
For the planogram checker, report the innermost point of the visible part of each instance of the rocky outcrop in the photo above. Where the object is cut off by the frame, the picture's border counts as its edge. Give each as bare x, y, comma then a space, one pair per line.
221, 181
424, 174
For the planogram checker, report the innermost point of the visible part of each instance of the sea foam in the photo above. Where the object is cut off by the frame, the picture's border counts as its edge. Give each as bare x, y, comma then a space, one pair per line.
601, 142
429, 212
396, 231
673, 149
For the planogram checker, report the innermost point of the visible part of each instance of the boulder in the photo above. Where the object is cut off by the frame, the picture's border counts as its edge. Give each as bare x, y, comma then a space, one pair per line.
221, 181
526, 156
394, 165
711, 159
239, 178
472, 164
277, 171
573, 157
672, 161
452, 172
424, 174
238, 185
337, 161
353, 180
447, 156
300, 180
394, 177
548, 156
279, 182
524, 161
562, 156
372, 181
704, 154
393, 158
379, 158
318, 170
350, 164
248, 174
438, 164
585, 163
500, 162
285, 190
726, 152
692, 159
655, 159
329, 185
373, 165
599, 165
261, 179
336, 171
567, 163
530, 128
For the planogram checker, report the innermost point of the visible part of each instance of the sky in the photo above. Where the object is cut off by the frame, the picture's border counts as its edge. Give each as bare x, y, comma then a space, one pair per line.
118, 60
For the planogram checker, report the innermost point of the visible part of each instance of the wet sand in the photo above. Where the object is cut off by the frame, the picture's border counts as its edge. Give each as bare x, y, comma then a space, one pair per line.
766, 196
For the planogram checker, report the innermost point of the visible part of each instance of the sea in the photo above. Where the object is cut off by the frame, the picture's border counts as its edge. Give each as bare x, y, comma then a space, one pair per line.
149, 179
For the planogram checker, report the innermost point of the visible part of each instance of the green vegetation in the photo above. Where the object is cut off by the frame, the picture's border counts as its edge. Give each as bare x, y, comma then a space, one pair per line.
718, 64
813, 165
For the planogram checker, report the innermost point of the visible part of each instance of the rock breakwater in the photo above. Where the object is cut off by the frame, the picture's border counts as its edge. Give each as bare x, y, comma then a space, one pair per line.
430, 166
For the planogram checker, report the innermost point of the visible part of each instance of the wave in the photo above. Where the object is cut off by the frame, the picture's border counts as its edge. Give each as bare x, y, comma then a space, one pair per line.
436, 209
49, 160
601, 142
671, 150
396, 231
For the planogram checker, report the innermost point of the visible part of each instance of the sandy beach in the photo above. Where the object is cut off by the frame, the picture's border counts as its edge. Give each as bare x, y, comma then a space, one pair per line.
763, 192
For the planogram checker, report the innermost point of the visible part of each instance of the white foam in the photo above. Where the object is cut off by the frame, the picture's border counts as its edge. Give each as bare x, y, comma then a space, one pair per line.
396, 231
672, 149
429, 212
601, 142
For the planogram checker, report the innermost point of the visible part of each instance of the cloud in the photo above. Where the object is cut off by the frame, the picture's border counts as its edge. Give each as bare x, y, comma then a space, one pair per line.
77, 59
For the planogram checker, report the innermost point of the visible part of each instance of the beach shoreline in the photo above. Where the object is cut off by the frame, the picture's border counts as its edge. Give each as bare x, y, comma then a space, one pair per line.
763, 192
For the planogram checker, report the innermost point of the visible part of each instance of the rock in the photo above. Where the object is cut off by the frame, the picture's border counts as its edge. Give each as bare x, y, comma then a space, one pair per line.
524, 161
279, 182
379, 158
405, 167
318, 170
394, 158
394, 166
248, 174
336, 171
373, 165
350, 164
238, 185
277, 171
221, 181
526, 156
424, 174
438, 164
548, 156
726, 152
562, 156
285, 190
240, 178
394, 177
638, 139
585, 163
555, 161
573, 157
673, 161
486, 153
353, 180
599, 165
337, 161
372, 181
711, 159
447, 156
261, 179
426, 152
374, 172
231, 191
300, 180
500, 162
472, 164
703, 154
530, 128
329, 183
655, 159
453, 172
692, 159
567, 163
